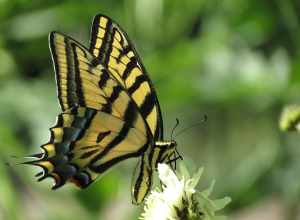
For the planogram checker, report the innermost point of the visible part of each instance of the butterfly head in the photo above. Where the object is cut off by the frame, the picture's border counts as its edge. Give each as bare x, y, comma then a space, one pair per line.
171, 144
168, 152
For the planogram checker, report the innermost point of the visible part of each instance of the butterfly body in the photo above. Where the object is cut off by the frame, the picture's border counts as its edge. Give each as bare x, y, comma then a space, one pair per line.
110, 111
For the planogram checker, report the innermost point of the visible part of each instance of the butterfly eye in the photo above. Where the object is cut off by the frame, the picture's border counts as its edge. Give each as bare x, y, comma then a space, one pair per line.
173, 144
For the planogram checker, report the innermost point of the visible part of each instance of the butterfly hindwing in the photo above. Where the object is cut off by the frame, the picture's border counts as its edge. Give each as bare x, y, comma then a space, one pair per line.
80, 136
142, 180
110, 44
143, 174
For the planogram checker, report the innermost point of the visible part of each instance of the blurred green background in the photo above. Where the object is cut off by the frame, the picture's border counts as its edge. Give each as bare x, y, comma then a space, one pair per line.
237, 61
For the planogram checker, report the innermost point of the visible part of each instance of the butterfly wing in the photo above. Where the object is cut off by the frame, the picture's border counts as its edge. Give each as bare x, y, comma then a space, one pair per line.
110, 44
100, 125
142, 180
83, 146
142, 177
77, 79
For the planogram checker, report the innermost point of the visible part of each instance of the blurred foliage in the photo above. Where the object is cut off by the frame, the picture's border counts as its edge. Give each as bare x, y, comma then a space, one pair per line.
236, 61
289, 118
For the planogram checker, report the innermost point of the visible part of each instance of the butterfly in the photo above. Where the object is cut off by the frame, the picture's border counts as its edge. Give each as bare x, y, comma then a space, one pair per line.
109, 112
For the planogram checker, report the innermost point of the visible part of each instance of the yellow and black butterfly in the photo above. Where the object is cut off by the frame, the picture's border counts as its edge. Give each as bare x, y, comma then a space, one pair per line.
110, 111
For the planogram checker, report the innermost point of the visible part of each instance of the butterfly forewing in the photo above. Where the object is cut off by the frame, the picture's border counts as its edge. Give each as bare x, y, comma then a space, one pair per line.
113, 49
76, 79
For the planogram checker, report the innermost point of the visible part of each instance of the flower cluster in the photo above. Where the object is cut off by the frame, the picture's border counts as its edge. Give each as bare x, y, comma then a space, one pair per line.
179, 200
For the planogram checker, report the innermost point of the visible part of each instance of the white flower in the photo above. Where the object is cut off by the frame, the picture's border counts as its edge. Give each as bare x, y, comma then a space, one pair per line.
178, 199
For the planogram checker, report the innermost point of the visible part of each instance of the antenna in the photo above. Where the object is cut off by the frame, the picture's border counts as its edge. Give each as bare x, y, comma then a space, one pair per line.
192, 126
177, 123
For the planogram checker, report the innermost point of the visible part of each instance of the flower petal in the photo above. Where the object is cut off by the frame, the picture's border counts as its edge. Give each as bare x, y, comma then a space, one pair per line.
167, 176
